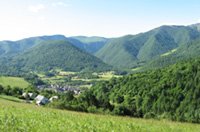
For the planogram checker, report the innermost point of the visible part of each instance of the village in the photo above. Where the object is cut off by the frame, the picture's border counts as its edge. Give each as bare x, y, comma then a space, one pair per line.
62, 89
42, 100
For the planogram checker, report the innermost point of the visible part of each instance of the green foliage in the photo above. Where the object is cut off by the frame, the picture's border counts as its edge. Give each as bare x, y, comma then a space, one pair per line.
48, 93
168, 93
58, 54
7, 90
67, 97
31, 89
184, 52
33, 79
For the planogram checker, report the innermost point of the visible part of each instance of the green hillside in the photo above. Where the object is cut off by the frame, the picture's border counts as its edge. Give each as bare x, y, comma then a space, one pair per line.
131, 50
16, 116
169, 93
57, 54
89, 44
14, 47
183, 52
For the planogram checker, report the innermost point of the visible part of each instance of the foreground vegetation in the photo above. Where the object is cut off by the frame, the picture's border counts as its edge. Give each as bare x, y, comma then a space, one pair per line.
16, 116
169, 93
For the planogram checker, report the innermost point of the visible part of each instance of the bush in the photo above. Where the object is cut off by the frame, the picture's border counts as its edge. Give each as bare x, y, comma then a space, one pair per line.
92, 109
21, 97
149, 115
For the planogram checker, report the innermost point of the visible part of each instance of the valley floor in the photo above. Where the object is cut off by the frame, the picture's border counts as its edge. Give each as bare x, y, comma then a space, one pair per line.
17, 116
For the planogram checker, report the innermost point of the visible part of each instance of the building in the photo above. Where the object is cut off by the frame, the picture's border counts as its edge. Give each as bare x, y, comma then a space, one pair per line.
41, 100
53, 98
30, 95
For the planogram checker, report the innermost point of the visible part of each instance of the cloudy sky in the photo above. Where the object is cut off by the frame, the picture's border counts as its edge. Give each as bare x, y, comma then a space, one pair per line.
108, 18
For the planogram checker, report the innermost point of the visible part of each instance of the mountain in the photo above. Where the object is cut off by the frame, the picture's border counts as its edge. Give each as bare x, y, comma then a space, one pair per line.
195, 26
183, 52
89, 44
14, 47
54, 54
134, 50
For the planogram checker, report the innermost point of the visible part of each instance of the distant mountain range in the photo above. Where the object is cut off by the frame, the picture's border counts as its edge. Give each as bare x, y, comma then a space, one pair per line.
89, 44
159, 47
54, 54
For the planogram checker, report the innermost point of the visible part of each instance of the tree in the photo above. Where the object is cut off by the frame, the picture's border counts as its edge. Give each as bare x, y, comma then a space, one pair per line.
1, 89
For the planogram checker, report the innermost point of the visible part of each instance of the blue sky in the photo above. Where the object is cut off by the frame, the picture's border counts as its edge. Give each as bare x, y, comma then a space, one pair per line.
108, 18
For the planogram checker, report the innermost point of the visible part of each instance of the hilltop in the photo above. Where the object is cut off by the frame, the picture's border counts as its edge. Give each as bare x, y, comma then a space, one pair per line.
54, 54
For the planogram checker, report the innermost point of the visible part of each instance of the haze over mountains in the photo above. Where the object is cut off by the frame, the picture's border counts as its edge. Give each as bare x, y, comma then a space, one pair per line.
151, 49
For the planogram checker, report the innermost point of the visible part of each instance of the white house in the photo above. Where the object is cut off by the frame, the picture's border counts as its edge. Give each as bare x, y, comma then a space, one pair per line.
41, 100
31, 95
53, 98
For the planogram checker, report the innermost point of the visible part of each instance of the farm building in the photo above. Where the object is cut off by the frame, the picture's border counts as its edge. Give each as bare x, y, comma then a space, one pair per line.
31, 95
41, 100
53, 98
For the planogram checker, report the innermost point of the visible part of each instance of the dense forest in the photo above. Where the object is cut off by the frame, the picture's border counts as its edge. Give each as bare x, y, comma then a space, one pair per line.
184, 52
168, 93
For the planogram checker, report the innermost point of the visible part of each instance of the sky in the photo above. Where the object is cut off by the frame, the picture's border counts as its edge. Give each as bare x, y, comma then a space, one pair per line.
107, 18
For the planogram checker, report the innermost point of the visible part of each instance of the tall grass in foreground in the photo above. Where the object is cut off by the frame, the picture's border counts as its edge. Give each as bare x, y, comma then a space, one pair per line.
30, 118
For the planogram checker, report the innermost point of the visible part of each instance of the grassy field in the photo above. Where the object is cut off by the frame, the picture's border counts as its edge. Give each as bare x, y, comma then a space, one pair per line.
62, 76
14, 81
16, 116
168, 53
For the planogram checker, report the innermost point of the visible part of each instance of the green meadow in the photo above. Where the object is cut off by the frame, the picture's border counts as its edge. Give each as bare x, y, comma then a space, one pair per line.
20, 117
14, 81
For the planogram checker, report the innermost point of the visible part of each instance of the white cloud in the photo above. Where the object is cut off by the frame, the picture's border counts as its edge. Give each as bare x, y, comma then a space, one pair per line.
36, 8
61, 4
199, 20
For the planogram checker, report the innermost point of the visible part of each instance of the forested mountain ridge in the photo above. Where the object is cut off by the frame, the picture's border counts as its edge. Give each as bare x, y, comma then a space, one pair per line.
168, 93
183, 52
130, 50
89, 44
14, 47
54, 54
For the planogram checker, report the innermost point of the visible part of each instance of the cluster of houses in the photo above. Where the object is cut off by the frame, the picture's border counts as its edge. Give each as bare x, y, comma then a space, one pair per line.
60, 89
40, 99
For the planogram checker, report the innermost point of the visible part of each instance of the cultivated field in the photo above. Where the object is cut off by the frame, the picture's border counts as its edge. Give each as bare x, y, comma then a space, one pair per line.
14, 81
17, 116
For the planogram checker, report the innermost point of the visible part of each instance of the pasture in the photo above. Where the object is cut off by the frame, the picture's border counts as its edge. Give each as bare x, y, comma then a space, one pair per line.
17, 116
14, 81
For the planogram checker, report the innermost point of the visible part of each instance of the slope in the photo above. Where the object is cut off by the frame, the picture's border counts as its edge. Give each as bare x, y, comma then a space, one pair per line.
55, 54
89, 44
14, 47
168, 93
189, 50
17, 116
129, 51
